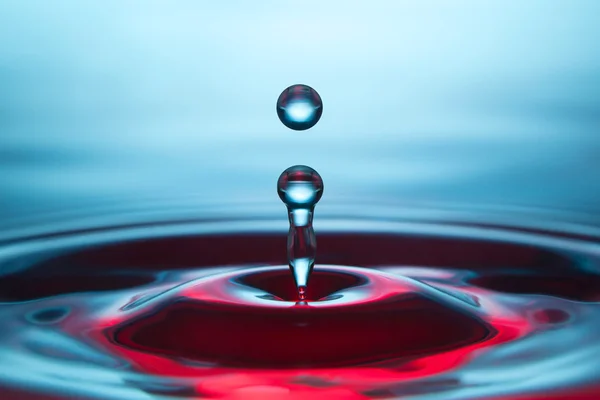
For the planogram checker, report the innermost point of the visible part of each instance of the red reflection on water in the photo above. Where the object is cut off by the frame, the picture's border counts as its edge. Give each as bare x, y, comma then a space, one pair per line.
233, 349
238, 350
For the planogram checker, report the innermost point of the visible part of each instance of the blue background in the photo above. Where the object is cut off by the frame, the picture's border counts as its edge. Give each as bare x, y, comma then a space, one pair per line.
493, 103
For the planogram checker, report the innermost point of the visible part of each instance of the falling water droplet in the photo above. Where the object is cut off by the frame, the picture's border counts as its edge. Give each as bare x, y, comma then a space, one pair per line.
299, 107
300, 188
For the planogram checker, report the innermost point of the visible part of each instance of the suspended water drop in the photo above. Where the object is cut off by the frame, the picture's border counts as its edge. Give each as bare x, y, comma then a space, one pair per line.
299, 107
300, 188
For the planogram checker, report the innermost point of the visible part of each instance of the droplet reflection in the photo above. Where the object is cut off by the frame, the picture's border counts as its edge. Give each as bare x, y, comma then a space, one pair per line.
299, 107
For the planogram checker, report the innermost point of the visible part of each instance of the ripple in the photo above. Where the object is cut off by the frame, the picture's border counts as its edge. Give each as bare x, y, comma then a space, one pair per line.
206, 307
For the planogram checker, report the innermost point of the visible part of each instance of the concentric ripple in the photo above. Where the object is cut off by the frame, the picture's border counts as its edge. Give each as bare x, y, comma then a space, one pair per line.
208, 310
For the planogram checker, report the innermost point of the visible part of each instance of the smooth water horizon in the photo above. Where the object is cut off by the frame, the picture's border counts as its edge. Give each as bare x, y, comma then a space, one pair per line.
110, 103
479, 104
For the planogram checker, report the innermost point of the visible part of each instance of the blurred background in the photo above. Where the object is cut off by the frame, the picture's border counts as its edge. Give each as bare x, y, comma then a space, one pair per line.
493, 103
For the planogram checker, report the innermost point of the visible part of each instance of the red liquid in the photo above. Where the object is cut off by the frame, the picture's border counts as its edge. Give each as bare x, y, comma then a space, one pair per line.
362, 333
401, 322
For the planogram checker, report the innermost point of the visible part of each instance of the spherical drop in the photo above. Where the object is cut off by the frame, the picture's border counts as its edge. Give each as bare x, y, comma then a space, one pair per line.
299, 107
300, 187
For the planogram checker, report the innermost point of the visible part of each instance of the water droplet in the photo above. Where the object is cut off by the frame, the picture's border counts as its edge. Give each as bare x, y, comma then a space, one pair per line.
300, 188
299, 107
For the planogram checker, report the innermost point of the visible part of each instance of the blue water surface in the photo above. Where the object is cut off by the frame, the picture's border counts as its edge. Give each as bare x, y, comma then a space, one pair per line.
492, 103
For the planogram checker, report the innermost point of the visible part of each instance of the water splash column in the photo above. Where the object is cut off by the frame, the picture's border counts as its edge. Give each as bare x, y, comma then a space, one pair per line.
300, 188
